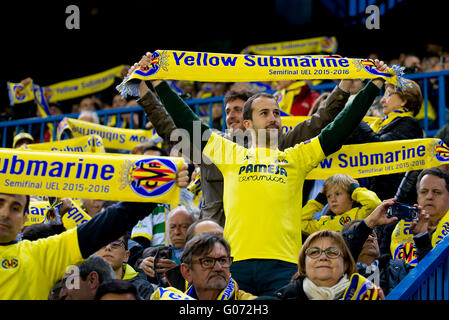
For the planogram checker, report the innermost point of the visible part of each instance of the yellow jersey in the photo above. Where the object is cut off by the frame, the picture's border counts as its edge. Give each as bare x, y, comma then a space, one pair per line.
29, 269
263, 196
367, 199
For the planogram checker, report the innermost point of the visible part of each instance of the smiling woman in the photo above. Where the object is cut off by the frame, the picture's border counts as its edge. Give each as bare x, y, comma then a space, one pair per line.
326, 271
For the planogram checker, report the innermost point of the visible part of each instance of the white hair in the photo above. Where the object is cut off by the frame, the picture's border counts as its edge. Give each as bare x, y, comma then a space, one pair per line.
91, 114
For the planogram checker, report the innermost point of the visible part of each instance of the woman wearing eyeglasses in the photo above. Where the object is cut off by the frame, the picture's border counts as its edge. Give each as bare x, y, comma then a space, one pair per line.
327, 271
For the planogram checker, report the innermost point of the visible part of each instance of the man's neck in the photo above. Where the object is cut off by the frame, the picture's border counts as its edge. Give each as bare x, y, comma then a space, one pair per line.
434, 221
366, 259
120, 272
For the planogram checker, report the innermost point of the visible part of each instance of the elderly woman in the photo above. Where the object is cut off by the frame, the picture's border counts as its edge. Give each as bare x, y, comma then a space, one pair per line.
324, 270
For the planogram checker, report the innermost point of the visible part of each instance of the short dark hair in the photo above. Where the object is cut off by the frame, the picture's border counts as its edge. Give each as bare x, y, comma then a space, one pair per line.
155, 148
338, 239
248, 106
126, 238
438, 172
27, 204
242, 94
201, 244
412, 94
116, 286
99, 265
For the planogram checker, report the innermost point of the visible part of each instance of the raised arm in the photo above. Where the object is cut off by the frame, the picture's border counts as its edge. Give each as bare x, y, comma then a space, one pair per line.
156, 113
110, 224
334, 134
312, 127
181, 114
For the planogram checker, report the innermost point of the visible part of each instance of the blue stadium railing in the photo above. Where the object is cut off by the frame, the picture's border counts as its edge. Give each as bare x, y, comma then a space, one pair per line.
30, 123
429, 280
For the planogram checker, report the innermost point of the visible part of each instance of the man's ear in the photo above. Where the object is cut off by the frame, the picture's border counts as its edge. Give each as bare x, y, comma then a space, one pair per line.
186, 272
93, 280
248, 124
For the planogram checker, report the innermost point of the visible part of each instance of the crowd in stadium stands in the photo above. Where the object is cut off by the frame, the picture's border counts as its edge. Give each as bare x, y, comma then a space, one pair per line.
242, 240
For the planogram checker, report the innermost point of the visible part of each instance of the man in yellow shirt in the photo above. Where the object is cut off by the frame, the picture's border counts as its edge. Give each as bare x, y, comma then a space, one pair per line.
262, 185
29, 269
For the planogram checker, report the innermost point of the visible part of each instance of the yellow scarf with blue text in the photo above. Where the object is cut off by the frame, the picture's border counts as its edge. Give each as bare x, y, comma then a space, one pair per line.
113, 138
379, 124
228, 293
99, 176
222, 67
70, 89
442, 230
402, 245
361, 288
37, 213
92, 143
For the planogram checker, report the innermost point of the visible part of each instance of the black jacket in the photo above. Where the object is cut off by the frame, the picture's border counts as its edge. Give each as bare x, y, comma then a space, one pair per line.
110, 224
404, 128
391, 271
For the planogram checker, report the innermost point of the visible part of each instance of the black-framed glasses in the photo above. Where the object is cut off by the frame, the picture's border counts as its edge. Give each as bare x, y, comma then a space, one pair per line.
331, 252
117, 244
209, 262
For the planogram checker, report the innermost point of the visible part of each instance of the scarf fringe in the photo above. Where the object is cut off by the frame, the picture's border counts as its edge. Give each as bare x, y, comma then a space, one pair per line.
128, 88
399, 72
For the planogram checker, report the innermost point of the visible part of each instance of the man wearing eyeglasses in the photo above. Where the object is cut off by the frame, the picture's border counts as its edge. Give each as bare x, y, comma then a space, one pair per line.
117, 254
205, 264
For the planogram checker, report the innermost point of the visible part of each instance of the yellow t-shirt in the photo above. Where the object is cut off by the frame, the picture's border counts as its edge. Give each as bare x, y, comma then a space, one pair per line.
29, 269
262, 196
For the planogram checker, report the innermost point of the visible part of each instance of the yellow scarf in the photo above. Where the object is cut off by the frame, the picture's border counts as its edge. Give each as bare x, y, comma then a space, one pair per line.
222, 67
228, 293
90, 175
361, 288
91, 143
379, 124
379, 158
37, 213
113, 138
286, 96
18, 93
402, 245
442, 230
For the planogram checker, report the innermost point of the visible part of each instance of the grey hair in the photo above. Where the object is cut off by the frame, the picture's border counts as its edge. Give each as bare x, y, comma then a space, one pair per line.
99, 265
181, 207
93, 114
202, 244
